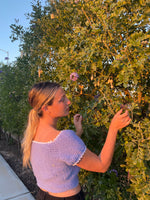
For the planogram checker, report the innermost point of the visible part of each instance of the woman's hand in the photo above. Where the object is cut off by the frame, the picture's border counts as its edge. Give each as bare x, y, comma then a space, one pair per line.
78, 124
120, 120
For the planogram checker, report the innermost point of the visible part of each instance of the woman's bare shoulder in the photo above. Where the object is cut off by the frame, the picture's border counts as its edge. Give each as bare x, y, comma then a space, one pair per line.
46, 134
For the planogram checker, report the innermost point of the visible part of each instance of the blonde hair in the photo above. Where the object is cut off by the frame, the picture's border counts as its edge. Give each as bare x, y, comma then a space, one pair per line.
41, 94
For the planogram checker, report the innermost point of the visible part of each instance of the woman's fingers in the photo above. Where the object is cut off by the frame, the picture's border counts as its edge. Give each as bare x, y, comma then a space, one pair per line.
121, 120
78, 118
125, 114
119, 112
127, 122
125, 119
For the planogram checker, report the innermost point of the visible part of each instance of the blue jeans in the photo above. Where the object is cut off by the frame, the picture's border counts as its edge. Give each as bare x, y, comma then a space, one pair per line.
41, 195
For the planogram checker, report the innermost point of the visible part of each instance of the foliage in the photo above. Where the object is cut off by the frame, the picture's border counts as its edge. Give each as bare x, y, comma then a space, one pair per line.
107, 44
137, 145
14, 85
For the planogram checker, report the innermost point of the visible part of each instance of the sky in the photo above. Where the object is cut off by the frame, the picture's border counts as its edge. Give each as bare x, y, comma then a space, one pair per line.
9, 11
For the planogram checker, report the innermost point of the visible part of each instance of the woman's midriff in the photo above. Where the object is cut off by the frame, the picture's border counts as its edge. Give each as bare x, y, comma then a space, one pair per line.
67, 193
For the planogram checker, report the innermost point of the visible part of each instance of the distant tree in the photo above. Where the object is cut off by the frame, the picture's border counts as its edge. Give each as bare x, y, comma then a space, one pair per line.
15, 82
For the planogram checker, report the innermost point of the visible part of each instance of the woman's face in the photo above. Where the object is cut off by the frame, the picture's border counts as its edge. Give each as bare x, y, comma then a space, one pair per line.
60, 105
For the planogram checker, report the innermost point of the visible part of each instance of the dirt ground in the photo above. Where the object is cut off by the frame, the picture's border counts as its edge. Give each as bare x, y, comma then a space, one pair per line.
11, 152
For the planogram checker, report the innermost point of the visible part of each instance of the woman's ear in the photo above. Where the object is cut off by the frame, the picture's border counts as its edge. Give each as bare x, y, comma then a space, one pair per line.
44, 108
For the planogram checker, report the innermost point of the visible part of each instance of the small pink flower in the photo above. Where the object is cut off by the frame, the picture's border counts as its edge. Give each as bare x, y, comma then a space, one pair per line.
74, 76
76, 1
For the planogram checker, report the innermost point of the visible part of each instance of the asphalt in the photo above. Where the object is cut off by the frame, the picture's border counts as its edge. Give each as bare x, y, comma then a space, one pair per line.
11, 187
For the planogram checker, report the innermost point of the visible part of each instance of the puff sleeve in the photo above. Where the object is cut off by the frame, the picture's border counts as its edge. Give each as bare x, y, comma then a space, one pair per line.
71, 148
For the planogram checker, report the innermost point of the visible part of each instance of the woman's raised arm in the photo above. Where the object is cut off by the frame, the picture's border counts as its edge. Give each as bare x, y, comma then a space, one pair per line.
90, 161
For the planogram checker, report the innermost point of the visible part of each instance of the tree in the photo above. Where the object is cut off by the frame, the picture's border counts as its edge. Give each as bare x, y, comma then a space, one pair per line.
15, 82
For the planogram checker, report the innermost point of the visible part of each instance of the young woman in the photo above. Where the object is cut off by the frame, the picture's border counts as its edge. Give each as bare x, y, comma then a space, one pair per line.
57, 156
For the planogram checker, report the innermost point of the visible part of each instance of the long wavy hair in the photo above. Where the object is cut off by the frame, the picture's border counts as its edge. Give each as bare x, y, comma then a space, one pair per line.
40, 94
